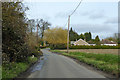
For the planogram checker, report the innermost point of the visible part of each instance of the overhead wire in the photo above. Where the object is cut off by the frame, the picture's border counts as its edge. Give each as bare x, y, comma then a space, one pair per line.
74, 11
65, 24
76, 8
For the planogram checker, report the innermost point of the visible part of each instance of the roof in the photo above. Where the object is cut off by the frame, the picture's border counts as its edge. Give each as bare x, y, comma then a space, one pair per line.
80, 42
72, 42
108, 42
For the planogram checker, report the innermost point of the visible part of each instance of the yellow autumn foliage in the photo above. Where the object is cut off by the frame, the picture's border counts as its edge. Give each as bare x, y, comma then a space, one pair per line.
55, 36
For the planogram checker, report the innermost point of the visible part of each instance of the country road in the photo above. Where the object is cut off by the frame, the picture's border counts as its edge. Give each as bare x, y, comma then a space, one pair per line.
58, 66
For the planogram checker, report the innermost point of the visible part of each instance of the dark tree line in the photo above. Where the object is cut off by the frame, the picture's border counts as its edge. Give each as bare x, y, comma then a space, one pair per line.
74, 35
86, 36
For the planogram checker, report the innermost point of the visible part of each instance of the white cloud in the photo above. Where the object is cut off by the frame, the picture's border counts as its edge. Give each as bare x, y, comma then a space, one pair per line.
62, 14
97, 16
95, 28
112, 20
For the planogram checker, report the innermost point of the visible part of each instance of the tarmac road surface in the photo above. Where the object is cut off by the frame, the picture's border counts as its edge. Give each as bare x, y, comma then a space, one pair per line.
58, 66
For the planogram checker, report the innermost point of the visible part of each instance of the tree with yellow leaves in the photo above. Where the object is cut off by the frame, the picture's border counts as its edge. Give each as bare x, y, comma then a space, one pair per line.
56, 36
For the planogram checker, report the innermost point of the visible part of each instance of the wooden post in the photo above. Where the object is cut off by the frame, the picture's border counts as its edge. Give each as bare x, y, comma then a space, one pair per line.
68, 35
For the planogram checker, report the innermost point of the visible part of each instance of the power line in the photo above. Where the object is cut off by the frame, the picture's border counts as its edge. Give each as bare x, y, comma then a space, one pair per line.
76, 8
69, 25
73, 12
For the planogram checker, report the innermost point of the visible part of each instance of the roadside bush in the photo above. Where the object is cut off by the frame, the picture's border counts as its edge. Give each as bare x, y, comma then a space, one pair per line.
58, 46
5, 58
37, 53
32, 59
94, 47
85, 47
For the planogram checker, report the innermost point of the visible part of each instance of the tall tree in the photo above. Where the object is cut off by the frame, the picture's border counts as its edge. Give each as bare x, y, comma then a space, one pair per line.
31, 25
43, 25
73, 35
88, 36
97, 40
82, 36
14, 28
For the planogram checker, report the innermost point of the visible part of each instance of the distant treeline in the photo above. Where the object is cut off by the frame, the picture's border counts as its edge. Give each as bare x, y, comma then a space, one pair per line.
87, 36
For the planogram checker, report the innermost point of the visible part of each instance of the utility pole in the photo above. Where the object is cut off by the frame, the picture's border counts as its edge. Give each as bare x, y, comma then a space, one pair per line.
68, 34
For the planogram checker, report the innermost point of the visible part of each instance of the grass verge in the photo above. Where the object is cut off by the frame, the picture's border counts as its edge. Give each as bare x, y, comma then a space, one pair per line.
104, 62
12, 70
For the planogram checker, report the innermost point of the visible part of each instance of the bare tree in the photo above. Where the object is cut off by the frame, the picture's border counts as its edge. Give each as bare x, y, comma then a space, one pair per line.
43, 25
31, 25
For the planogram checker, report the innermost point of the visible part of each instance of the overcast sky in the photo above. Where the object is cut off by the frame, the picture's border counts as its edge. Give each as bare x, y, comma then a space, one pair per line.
100, 18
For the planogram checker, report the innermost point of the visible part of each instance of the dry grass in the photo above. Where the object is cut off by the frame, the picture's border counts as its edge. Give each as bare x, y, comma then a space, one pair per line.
98, 51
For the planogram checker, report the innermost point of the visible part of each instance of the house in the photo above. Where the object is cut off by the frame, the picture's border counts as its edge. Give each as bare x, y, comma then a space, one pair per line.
108, 43
72, 42
79, 42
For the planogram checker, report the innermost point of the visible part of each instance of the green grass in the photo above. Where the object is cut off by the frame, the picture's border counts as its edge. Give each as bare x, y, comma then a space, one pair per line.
32, 60
108, 58
104, 62
12, 70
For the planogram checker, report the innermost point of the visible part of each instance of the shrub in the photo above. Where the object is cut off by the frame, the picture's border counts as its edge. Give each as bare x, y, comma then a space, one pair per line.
85, 47
37, 53
32, 59
94, 47
58, 46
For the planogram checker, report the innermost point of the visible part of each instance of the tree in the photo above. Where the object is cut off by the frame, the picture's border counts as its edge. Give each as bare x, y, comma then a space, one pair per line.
17, 44
43, 25
87, 36
90, 36
55, 36
92, 41
31, 25
111, 39
73, 35
97, 40
82, 36
14, 30
114, 38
